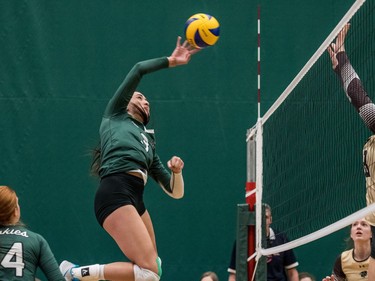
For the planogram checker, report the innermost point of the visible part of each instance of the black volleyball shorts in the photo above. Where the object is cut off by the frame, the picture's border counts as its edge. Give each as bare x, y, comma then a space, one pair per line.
117, 190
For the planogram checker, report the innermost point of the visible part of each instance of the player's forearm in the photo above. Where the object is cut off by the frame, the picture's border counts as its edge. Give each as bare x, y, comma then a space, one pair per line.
292, 274
355, 91
177, 185
125, 91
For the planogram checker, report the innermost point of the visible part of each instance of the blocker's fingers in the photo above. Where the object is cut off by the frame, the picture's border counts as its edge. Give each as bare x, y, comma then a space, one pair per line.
329, 49
333, 46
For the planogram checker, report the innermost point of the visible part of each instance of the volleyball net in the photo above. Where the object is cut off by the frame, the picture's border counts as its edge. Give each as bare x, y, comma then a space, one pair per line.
309, 144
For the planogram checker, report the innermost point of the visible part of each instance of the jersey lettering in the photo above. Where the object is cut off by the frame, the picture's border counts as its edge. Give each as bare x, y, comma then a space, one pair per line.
13, 232
145, 142
14, 259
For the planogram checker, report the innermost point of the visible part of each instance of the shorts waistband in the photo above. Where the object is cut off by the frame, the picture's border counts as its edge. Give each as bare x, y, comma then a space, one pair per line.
139, 174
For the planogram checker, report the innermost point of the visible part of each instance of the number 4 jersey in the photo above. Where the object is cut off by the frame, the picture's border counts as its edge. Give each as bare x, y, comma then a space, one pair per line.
22, 252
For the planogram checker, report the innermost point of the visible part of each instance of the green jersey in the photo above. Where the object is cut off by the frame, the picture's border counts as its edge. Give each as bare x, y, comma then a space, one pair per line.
22, 252
126, 144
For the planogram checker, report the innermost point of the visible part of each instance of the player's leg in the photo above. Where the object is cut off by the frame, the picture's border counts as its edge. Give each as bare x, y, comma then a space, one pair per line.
135, 237
129, 231
150, 228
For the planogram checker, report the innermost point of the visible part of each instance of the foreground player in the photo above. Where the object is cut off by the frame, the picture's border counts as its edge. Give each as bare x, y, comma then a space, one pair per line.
125, 159
22, 251
353, 264
366, 109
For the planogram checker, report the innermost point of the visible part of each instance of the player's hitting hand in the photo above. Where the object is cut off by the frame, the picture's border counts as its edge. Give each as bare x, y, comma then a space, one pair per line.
176, 164
182, 53
339, 46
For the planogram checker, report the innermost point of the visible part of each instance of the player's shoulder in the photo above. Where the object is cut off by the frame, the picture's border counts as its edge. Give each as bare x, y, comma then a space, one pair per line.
347, 255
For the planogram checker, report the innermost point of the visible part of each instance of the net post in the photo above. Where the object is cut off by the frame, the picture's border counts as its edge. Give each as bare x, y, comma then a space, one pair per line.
251, 198
261, 263
245, 218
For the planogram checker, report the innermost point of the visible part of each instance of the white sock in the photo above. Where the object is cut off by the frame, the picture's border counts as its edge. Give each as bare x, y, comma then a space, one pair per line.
89, 272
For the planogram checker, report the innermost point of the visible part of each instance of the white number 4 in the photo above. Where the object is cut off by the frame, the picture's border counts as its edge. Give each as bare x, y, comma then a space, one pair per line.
14, 259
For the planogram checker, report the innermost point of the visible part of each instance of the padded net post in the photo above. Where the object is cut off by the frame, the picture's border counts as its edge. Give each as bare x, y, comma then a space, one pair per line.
244, 219
251, 198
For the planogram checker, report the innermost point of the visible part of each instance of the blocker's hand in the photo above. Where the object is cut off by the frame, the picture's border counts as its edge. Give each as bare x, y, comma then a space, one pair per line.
339, 46
182, 53
176, 164
329, 278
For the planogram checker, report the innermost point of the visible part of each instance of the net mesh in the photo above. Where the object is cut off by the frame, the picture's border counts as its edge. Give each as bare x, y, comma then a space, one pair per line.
313, 139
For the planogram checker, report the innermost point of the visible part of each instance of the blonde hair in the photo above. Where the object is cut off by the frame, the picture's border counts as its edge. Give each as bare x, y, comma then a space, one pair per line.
210, 274
306, 275
8, 203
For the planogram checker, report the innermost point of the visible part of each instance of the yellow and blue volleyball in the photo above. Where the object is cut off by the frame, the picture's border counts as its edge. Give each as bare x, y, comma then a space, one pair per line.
202, 30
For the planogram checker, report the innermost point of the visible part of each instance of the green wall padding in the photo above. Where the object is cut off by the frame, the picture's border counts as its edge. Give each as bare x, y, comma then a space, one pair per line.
62, 60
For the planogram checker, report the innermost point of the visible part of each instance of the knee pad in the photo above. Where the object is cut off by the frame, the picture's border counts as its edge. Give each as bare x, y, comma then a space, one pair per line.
142, 274
158, 262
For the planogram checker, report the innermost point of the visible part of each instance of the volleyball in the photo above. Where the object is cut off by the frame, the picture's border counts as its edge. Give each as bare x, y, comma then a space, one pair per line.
202, 30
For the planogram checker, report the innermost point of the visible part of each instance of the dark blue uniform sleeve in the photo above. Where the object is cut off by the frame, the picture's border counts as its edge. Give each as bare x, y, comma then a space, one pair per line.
289, 256
232, 262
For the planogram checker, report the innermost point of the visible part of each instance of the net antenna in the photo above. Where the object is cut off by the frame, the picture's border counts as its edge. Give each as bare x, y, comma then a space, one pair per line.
258, 62
251, 190
256, 176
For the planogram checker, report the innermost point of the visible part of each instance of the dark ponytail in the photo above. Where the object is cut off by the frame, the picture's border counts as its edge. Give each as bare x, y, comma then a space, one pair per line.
96, 160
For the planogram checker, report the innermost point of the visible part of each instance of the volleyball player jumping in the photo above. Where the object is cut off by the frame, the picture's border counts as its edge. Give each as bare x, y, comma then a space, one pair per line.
126, 158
